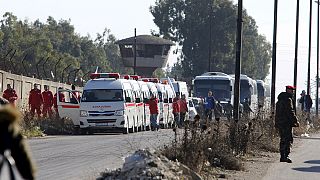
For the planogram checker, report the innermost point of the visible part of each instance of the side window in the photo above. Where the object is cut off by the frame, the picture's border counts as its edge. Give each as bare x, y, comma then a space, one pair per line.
128, 94
68, 97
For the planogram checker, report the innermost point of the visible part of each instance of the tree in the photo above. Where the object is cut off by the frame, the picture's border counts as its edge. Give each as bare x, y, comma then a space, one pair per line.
42, 45
188, 23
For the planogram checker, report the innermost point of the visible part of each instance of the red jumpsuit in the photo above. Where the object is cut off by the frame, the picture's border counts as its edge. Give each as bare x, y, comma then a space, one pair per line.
47, 103
11, 96
35, 101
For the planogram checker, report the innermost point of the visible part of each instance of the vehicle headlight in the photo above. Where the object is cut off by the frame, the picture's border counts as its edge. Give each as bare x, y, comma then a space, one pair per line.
83, 113
119, 113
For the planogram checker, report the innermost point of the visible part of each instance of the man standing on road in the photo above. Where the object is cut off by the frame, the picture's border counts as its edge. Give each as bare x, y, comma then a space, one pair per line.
154, 111
209, 105
301, 100
285, 119
35, 100
183, 108
176, 109
47, 101
10, 95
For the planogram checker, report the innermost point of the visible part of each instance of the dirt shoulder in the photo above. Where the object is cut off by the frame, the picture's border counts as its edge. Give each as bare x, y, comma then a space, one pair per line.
256, 165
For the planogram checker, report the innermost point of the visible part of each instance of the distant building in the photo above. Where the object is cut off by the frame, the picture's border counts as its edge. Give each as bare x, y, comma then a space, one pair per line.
151, 53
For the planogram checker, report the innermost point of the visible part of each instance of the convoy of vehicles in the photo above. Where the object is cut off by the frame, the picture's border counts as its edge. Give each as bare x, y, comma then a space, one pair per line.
222, 86
111, 102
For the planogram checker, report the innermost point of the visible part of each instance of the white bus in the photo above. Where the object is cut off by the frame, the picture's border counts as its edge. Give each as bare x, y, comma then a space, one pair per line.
249, 90
219, 83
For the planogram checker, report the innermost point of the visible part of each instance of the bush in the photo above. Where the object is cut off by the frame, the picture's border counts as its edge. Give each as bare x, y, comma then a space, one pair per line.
38, 126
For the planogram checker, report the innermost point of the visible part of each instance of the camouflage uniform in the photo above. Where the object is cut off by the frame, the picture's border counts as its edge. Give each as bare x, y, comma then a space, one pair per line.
285, 119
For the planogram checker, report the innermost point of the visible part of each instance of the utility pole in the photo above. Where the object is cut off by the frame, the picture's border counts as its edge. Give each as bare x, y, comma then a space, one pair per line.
317, 79
274, 56
210, 37
238, 63
296, 54
135, 51
309, 51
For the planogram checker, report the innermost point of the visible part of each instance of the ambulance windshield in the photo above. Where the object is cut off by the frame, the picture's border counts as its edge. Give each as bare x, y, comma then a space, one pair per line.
102, 95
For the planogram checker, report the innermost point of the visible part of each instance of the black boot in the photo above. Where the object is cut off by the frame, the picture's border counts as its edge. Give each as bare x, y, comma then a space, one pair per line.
283, 157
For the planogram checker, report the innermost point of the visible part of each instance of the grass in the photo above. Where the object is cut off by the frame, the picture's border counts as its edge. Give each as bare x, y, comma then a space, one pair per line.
40, 126
223, 144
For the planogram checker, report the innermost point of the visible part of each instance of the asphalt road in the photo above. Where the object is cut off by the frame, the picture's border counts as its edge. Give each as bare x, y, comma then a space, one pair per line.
84, 157
305, 166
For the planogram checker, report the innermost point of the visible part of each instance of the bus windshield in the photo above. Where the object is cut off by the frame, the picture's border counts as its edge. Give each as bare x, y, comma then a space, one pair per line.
245, 91
102, 95
221, 89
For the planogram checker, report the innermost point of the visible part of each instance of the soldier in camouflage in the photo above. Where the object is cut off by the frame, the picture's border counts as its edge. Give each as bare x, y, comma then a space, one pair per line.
285, 119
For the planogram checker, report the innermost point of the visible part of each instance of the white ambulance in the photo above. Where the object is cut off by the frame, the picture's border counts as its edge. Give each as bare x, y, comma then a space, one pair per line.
153, 90
146, 96
139, 111
168, 103
107, 103
163, 110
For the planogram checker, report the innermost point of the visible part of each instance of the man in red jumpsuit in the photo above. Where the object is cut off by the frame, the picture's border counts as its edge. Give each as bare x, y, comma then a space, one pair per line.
47, 101
10, 95
35, 100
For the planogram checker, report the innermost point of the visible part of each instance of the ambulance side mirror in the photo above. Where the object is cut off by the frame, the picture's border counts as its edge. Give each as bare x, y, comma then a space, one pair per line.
165, 101
138, 100
170, 100
128, 99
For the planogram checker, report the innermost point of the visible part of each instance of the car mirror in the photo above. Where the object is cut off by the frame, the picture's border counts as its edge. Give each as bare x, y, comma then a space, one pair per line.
128, 99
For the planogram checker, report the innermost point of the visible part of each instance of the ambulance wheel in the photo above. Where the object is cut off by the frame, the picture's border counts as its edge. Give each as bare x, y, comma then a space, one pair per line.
131, 129
76, 130
148, 128
125, 130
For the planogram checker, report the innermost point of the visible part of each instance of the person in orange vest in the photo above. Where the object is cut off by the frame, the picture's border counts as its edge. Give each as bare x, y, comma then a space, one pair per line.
176, 109
61, 99
10, 95
154, 111
183, 108
35, 100
47, 101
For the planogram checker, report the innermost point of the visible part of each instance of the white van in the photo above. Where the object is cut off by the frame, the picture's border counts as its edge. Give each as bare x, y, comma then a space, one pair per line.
107, 103
163, 111
181, 88
168, 103
139, 110
146, 96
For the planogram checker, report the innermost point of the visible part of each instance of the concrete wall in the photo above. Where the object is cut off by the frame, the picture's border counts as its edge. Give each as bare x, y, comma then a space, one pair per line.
23, 85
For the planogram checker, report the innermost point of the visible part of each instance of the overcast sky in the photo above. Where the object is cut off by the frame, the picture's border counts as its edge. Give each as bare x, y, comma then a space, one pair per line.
122, 16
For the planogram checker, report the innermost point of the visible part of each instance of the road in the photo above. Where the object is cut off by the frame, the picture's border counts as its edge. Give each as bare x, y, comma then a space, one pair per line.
305, 166
84, 157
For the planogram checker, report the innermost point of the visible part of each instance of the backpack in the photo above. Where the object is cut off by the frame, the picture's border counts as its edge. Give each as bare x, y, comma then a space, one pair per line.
8, 168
